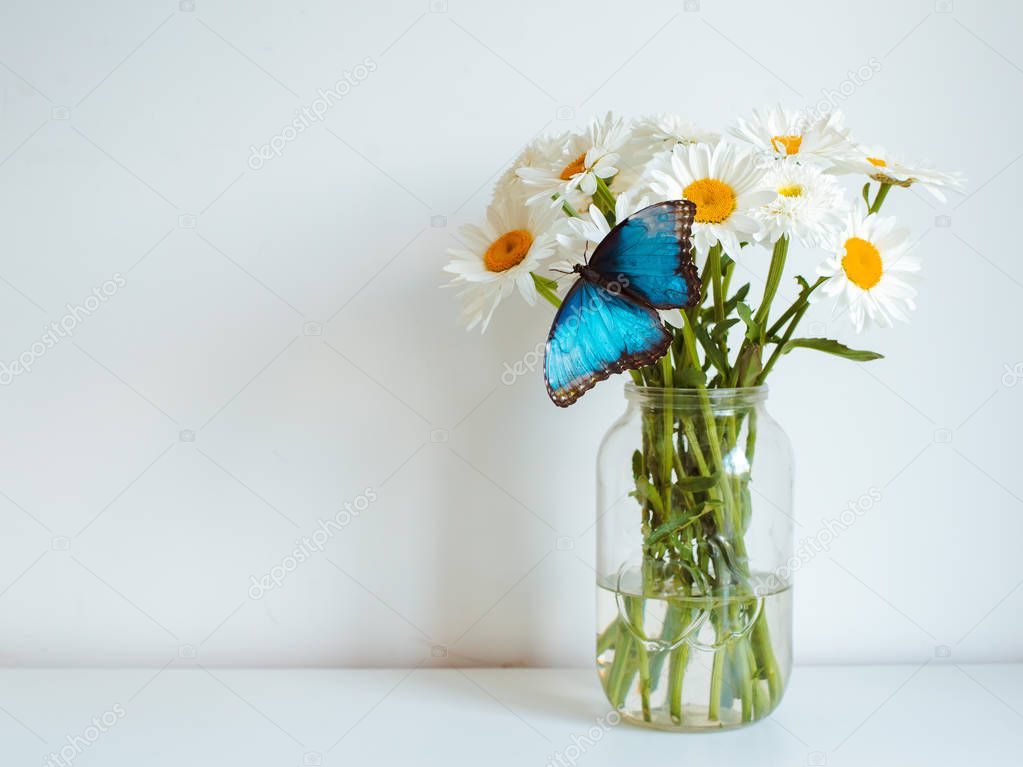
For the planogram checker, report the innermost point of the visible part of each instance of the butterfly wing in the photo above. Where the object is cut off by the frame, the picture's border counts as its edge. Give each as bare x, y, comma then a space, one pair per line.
597, 333
649, 254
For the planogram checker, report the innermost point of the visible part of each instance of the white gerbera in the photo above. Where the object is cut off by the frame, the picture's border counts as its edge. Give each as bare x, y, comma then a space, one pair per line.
499, 257
588, 155
659, 133
809, 206
882, 166
725, 183
780, 132
871, 270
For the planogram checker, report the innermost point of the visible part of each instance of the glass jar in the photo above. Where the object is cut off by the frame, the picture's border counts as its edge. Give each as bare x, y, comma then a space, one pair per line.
695, 537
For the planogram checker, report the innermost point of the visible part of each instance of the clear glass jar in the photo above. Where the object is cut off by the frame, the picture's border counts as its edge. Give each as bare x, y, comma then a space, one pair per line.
695, 537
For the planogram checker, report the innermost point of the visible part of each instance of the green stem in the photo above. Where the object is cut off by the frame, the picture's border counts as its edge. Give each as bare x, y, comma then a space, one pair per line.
745, 676
750, 659
717, 675
804, 298
711, 430
781, 249
689, 340
604, 199
718, 290
668, 429
676, 671
635, 607
727, 281
622, 668
762, 646
714, 265
779, 348
882, 192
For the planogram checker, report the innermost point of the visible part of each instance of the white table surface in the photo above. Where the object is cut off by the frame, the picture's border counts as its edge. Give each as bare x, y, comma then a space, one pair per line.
935, 714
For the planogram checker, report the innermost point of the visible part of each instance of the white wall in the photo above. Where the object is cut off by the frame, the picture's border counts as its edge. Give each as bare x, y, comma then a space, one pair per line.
280, 344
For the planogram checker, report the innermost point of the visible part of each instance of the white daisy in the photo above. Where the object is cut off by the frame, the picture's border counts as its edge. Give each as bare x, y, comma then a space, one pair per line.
726, 184
588, 155
809, 206
542, 152
871, 271
659, 133
499, 257
780, 132
882, 166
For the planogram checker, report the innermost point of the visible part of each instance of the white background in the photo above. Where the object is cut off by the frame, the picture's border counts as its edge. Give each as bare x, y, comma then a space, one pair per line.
281, 345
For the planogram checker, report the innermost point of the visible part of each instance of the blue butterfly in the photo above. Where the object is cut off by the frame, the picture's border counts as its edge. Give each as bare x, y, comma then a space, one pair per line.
608, 321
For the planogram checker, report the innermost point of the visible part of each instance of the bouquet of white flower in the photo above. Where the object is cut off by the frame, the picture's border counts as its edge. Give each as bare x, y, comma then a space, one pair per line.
658, 219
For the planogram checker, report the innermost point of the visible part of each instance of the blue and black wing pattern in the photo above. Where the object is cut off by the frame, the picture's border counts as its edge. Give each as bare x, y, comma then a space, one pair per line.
597, 333
649, 254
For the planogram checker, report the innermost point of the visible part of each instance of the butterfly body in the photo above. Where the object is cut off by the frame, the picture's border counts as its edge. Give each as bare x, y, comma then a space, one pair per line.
608, 321
611, 285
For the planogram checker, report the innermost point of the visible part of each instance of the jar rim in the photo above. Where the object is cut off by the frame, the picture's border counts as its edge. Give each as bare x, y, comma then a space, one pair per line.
717, 397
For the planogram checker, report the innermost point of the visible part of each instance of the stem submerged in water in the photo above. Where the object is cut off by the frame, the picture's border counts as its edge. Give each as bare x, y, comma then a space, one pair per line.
698, 574
691, 646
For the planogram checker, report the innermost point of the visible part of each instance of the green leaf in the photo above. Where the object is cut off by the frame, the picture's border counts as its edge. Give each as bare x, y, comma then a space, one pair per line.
730, 303
681, 499
752, 326
647, 493
739, 295
547, 288
547, 282
710, 348
866, 193
749, 365
690, 378
637, 465
830, 346
663, 531
721, 328
698, 484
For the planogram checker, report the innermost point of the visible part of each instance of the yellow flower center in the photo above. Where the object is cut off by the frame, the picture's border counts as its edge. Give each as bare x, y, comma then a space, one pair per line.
789, 143
877, 162
508, 250
578, 165
714, 200
791, 190
862, 263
